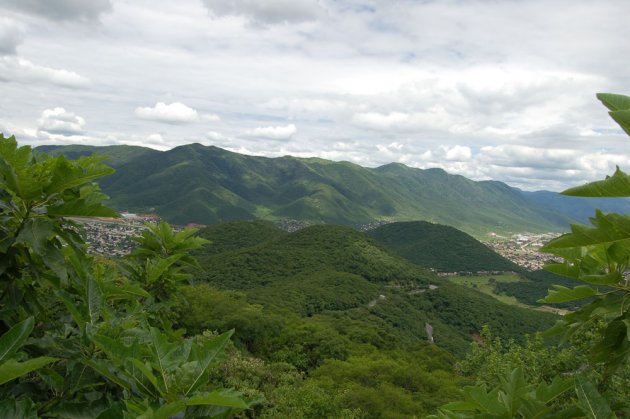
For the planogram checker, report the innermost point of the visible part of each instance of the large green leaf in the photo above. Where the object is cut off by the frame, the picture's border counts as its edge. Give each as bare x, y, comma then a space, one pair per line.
617, 185
614, 102
593, 404
145, 370
619, 106
22, 409
103, 367
622, 118
225, 398
70, 174
514, 390
548, 392
12, 369
204, 357
560, 294
607, 229
93, 300
168, 410
13, 339
35, 234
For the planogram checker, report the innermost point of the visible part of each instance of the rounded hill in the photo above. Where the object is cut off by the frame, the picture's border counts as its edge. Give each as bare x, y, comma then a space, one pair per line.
440, 247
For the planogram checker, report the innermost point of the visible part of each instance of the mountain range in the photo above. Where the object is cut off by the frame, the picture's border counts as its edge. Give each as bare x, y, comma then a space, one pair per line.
206, 184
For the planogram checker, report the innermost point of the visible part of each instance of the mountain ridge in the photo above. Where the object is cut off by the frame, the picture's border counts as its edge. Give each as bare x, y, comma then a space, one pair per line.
207, 184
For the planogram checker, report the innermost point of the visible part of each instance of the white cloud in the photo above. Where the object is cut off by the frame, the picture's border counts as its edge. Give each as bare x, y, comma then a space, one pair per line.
426, 83
13, 68
61, 122
274, 132
268, 11
176, 113
456, 153
211, 117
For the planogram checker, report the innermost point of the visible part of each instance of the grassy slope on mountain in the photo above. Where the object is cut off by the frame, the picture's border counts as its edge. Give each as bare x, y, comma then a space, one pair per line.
194, 183
440, 247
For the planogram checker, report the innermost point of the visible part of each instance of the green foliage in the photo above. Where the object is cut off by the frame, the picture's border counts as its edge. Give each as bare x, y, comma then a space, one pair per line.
491, 358
533, 287
619, 106
104, 357
391, 383
36, 194
512, 398
599, 256
161, 257
440, 247
200, 184
10, 343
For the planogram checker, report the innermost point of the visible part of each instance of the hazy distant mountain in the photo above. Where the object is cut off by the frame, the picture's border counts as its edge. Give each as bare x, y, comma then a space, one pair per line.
580, 209
195, 183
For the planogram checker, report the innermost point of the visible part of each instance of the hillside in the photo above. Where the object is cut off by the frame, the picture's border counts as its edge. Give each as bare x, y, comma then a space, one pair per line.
341, 275
195, 183
440, 247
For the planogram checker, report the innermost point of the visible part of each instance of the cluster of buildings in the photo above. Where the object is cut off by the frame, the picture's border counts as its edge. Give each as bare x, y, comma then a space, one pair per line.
524, 249
111, 237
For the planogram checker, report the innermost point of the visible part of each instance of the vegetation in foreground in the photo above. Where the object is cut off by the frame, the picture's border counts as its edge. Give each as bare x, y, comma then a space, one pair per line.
594, 381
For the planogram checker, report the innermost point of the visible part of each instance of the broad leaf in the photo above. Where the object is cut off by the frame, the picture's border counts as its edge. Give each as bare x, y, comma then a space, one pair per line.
205, 356
591, 402
622, 118
12, 409
225, 398
614, 102
103, 368
146, 371
35, 234
514, 390
93, 300
617, 185
562, 294
13, 369
619, 106
169, 410
13, 339
548, 392
607, 229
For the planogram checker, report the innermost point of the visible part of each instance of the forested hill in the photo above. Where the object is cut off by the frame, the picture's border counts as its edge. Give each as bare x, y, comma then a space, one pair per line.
440, 247
351, 283
195, 183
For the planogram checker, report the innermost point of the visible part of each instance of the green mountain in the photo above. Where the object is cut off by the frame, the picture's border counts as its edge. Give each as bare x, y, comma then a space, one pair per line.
447, 249
440, 247
344, 277
194, 183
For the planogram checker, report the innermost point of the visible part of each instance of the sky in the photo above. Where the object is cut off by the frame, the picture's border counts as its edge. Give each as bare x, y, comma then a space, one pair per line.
488, 89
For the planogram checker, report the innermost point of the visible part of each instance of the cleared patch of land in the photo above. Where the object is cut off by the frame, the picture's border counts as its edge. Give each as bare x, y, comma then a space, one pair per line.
485, 284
